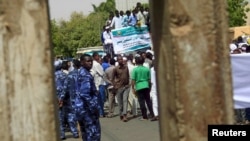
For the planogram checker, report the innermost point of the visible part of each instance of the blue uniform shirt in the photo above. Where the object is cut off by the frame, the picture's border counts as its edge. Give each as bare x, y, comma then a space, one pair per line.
59, 81
70, 86
86, 95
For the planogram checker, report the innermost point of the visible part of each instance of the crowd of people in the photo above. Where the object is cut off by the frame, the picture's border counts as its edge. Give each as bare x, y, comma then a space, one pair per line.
84, 85
83, 88
240, 45
139, 16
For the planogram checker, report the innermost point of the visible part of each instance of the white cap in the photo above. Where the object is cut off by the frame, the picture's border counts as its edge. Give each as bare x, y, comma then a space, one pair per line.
150, 51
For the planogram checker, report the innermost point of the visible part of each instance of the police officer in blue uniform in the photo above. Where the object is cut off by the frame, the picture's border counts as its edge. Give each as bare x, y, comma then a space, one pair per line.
60, 77
86, 102
69, 98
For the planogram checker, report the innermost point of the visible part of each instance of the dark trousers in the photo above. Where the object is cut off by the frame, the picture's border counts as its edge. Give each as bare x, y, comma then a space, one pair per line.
108, 49
111, 98
101, 99
247, 114
144, 96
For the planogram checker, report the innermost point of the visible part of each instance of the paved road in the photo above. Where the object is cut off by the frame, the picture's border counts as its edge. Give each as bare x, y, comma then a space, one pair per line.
113, 129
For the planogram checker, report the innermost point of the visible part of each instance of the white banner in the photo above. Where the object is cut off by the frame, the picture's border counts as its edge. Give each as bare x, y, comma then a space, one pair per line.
241, 80
130, 38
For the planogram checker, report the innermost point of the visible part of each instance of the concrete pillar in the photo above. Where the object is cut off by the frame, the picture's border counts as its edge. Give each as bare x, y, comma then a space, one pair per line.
190, 40
27, 97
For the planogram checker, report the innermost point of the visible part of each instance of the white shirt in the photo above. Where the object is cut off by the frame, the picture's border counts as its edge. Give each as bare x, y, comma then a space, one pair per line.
146, 64
71, 67
97, 72
130, 68
140, 18
116, 64
107, 37
153, 79
117, 22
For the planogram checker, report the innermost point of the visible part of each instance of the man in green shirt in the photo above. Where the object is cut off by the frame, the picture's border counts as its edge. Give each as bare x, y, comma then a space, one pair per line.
141, 87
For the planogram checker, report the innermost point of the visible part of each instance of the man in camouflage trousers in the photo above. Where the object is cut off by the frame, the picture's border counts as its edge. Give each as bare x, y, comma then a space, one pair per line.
59, 81
69, 98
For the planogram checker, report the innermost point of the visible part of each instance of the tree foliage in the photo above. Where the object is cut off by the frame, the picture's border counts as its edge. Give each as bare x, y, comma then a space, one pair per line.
105, 7
237, 12
80, 31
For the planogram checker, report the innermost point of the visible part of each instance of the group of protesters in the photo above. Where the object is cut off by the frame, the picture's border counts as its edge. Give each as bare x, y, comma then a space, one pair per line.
131, 79
84, 85
139, 16
240, 45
